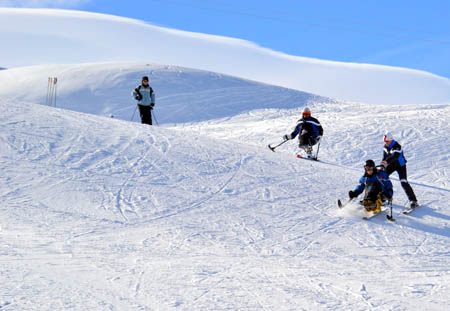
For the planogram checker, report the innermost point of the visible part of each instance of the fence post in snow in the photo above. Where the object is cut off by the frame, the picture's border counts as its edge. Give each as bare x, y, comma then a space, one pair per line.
55, 83
48, 91
51, 91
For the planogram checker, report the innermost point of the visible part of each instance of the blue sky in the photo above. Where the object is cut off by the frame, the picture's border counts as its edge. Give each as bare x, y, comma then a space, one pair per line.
413, 34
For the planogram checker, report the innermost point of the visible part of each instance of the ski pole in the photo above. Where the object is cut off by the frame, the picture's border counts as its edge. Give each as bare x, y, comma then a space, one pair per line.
154, 116
132, 117
273, 148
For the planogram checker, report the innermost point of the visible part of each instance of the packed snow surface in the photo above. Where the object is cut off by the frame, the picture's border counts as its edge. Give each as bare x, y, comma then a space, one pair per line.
100, 213
43, 36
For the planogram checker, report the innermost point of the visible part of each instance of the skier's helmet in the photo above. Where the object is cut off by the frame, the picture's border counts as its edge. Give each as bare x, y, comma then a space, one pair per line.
306, 112
144, 78
369, 165
387, 136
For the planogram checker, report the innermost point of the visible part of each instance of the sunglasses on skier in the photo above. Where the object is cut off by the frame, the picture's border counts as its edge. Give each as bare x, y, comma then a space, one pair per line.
368, 168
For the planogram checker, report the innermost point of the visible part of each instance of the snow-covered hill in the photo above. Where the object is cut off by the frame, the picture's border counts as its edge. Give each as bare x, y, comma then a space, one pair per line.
99, 213
182, 94
40, 36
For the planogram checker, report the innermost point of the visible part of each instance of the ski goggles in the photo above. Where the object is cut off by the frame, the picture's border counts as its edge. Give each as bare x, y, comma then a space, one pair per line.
368, 168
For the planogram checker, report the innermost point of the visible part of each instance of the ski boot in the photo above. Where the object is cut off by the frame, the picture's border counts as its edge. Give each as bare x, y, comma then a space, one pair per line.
413, 204
308, 150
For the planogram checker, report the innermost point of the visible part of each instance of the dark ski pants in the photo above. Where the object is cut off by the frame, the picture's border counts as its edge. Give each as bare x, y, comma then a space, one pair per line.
306, 140
146, 114
401, 171
372, 191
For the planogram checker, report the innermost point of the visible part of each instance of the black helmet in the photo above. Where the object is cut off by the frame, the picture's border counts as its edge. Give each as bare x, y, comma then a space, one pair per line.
369, 164
144, 78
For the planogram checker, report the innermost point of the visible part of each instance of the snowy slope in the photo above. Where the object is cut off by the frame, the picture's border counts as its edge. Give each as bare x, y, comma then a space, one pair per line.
99, 213
198, 214
41, 36
182, 94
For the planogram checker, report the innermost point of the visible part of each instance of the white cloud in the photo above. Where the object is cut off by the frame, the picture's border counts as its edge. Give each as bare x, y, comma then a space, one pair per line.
43, 3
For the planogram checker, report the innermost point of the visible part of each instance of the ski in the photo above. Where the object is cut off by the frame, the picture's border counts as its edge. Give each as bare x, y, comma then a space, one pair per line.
299, 156
409, 210
371, 215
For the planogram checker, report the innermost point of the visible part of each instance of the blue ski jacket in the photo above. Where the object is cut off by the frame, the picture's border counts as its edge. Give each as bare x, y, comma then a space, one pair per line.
393, 153
144, 95
380, 177
311, 125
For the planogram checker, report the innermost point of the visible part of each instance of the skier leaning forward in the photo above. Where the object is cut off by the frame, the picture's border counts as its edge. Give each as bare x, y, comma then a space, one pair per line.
394, 161
310, 132
377, 185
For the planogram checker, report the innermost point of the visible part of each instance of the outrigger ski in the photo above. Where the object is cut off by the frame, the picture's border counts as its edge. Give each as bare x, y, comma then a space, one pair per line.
341, 205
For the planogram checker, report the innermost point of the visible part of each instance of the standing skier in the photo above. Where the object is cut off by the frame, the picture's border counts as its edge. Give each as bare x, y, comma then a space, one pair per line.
309, 130
145, 96
394, 161
377, 185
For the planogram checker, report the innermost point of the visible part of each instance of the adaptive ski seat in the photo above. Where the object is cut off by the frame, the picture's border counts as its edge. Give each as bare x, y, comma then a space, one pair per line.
372, 199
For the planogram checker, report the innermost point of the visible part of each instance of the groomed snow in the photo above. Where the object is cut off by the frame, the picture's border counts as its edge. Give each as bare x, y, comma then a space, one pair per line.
107, 214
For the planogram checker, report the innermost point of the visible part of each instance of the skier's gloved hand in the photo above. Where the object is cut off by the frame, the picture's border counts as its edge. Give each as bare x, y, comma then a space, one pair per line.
352, 194
152, 105
286, 137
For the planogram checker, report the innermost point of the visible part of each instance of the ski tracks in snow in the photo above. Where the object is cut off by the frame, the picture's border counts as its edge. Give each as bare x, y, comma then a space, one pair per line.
184, 221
